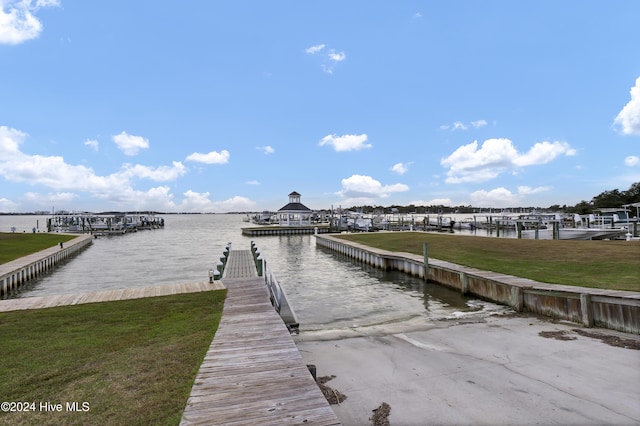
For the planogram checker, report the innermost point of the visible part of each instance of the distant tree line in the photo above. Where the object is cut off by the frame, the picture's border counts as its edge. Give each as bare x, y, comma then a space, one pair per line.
614, 198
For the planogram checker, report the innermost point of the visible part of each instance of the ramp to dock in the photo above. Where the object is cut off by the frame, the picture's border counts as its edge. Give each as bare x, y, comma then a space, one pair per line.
253, 373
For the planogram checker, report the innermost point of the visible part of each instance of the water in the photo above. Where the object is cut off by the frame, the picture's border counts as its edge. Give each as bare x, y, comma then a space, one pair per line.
329, 292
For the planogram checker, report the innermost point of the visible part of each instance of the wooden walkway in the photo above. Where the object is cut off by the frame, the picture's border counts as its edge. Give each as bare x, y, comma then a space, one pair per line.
253, 373
240, 265
105, 296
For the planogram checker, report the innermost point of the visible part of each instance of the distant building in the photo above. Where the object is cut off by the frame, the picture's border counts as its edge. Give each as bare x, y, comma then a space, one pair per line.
294, 213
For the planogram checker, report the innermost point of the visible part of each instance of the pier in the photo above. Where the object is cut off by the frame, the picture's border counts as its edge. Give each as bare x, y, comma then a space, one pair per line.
253, 372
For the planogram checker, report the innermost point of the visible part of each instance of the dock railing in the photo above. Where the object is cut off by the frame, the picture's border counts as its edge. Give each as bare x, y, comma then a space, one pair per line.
275, 291
277, 294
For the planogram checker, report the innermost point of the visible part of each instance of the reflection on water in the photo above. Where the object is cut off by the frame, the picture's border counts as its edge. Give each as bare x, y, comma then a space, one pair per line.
328, 291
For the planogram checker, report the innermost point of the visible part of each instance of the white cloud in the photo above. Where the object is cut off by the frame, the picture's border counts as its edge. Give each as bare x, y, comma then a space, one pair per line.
212, 157
50, 171
196, 202
158, 174
527, 190
7, 206
459, 125
18, 22
267, 149
469, 163
314, 49
502, 197
499, 197
129, 144
51, 198
116, 189
346, 142
69, 180
234, 204
161, 199
55, 173
364, 189
544, 152
401, 168
10, 140
253, 182
632, 161
93, 144
157, 198
628, 119
337, 56
329, 59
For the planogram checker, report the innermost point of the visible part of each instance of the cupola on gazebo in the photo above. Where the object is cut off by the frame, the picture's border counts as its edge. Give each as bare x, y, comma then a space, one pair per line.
295, 213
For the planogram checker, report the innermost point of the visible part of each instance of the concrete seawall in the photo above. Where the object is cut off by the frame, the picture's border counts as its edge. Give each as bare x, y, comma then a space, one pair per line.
17, 272
612, 309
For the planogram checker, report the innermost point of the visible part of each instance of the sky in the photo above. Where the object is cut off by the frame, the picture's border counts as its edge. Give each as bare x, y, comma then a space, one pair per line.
220, 106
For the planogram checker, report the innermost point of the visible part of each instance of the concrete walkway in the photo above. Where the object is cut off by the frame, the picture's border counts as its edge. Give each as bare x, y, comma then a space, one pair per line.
498, 370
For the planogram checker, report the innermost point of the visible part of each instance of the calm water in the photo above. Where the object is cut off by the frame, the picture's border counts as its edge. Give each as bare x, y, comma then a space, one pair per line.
329, 292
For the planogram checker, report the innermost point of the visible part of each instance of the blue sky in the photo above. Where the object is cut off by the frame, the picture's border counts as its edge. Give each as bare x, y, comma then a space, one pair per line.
217, 106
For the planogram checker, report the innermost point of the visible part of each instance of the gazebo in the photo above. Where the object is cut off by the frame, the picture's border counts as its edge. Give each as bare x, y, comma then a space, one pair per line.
294, 213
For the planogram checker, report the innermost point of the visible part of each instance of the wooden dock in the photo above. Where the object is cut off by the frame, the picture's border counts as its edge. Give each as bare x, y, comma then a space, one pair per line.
105, 296
259, 231
253, 373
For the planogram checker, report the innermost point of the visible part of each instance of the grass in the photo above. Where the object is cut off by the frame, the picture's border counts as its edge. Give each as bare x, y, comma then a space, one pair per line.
131, 361
613, 265
18, 244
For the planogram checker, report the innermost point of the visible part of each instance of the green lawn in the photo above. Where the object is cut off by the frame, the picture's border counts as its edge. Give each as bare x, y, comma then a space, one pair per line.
131, 362
18, 244
596, 264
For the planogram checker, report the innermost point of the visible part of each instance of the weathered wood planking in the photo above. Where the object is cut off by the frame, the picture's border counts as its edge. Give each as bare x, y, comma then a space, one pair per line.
105, 296
253, 373
240, 264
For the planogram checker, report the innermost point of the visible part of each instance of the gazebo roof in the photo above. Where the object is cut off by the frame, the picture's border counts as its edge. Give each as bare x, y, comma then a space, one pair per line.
294, 204
295, 207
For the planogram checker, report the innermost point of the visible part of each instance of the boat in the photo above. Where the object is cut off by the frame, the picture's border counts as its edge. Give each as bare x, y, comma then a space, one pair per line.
617, 217
264, 218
